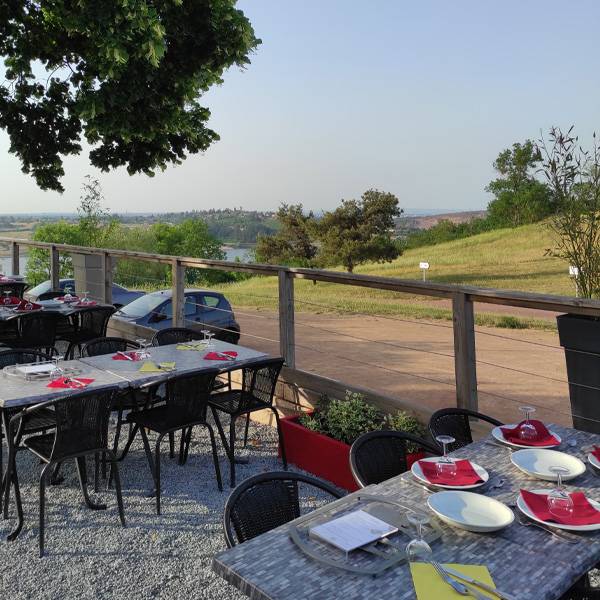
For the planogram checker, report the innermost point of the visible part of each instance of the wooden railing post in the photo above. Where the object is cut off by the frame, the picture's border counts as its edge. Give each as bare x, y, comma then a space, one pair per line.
54, 269
14, 253
287, 341
108, 278
178, 299
464, 351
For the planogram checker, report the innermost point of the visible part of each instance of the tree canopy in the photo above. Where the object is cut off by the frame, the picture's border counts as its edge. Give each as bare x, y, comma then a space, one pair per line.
520, 198
124, 74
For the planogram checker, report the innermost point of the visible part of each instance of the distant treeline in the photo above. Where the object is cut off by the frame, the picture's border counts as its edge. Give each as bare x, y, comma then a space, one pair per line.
446, 231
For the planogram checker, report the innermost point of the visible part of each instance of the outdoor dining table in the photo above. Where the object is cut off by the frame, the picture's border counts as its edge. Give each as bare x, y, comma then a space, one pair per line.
63, 310
186, 361
527, 562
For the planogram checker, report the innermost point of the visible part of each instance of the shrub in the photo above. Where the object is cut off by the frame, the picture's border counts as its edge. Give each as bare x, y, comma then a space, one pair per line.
403, 421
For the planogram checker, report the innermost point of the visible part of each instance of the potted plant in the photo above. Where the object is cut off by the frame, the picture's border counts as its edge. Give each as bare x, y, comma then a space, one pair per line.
319, 442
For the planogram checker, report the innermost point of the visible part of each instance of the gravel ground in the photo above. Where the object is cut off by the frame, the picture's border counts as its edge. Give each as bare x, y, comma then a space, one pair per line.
89, 554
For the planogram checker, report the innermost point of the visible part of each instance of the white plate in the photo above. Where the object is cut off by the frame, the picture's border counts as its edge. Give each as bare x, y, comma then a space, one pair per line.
470, 511
525, 510
537, 462
418, 474
498, 435
593, 461
50, 303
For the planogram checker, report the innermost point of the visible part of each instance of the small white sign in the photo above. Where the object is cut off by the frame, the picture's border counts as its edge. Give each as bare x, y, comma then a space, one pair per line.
424, 265
573, 271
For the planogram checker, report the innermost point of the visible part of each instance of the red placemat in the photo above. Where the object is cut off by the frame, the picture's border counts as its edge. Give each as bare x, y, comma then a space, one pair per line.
70, 383
13, 300
215, 356
465, 473
68, 300
85, 304
596, 452
583, 512
133, 355
23, 306
544, 437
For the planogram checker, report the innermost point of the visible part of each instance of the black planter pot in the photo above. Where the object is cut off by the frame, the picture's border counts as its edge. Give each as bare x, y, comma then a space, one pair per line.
579, 335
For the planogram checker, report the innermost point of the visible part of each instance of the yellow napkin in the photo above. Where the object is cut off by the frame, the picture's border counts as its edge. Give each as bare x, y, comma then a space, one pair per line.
430, 586
150, 367
197, 347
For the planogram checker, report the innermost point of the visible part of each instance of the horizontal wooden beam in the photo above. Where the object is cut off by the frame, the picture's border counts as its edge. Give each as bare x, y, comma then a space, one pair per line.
547, 302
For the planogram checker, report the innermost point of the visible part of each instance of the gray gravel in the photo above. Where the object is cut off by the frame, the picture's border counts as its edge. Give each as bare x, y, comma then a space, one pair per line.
88, 553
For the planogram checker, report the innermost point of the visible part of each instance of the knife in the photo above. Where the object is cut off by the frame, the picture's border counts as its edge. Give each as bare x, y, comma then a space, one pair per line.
479, 584
227, 356
125, 355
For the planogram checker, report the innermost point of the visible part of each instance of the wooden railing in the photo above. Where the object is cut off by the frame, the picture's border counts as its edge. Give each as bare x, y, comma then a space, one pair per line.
462, 298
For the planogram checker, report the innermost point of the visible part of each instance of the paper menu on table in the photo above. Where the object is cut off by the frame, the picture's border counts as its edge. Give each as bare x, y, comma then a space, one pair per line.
352, 530
35, 369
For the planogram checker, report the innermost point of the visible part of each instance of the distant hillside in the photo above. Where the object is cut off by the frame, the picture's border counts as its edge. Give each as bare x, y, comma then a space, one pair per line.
426, 221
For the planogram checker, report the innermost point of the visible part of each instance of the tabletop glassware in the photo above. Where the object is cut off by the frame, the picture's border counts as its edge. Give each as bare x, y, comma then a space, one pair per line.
205, 333
210, 335
143, 353
68, 296
85, 299
418, 549
527, 430
445, 465
560, 503
58, 370
7, 300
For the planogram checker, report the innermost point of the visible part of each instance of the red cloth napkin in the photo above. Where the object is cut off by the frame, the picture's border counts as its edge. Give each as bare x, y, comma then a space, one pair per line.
13, 300
583, 512
71, 299
24, 303
215, 356
465, 473
132, 354
544, 437
7, 279
88, 303
596, 452
67, 383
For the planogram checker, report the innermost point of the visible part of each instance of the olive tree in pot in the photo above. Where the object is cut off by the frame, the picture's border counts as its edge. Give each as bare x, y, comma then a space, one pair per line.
319, 442
574, 177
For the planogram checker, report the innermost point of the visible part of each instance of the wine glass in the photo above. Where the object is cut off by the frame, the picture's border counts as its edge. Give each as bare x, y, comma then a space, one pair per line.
68, 296
28, 306
143, 344
560, 503
7, 301
445, 465
205, 333
418, 548
58, 370
85, 299
527, 430
210, 335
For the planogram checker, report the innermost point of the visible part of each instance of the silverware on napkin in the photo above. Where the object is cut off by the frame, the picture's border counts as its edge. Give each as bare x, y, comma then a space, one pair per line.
479, 584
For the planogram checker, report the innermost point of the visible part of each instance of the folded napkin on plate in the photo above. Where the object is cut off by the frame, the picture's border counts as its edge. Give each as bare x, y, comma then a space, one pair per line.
11, 300
84, 304
5, 279
133, 355
150, 367
544, 437
71, 299
70, 383
198, 347
465, 473
429, 585
596, 452
583, 512
218, 356
23, 304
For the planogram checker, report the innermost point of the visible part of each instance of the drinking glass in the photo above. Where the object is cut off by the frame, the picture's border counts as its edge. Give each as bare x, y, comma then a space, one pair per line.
210, 335
560, 504
28, 306
7, 298
527, 430
68, 295
445, 465
85, 299
418, 548
205, 333
143, 353
58, 370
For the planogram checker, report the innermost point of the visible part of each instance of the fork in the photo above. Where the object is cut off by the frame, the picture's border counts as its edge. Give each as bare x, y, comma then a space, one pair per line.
458, 586
560, 536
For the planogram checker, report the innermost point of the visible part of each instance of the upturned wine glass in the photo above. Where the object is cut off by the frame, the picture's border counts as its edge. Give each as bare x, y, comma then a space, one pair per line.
527, 430
560, 503
445, 465
418, 549
143, 352
7, 300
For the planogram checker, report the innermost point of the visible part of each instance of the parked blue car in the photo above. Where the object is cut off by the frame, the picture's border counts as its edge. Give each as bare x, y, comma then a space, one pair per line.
204, 309
120, 295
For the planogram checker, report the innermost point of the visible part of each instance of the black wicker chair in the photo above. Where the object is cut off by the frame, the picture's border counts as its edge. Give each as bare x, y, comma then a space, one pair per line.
50, 295
258, 389
380, 455
186, 406
456, 422
37, 423
90, 323
36, 330
16, 288
265, 501
175, 335
81, 431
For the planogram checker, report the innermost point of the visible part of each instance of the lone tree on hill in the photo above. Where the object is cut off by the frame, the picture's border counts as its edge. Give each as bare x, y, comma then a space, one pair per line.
519, 197
359, 231
125, 75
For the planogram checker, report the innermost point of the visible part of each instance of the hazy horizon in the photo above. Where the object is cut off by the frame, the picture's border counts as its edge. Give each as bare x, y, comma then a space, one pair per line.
414, 99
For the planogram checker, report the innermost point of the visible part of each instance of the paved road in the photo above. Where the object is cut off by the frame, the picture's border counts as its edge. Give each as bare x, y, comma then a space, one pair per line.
414, 360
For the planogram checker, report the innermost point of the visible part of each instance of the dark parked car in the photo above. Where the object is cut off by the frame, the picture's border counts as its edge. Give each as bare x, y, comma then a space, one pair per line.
204, 309
120, 295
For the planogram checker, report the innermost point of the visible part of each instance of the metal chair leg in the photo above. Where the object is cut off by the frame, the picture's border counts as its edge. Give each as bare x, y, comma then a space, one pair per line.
232, 452
280, 436
213, 443
171, 444
157, 473
114, 468
43, 507
82, 473
246, 429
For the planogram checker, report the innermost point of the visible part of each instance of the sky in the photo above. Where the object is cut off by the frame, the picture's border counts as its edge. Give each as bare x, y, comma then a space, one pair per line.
414, 98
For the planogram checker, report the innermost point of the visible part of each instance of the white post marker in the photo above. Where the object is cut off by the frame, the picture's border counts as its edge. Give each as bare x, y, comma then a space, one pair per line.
424, 266
574, 274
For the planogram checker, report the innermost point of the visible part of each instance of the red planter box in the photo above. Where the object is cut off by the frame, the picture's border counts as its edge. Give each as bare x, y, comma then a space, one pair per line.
321, 455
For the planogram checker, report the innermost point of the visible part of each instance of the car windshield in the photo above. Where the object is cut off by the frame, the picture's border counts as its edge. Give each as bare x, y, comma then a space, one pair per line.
143, 305
42, 288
